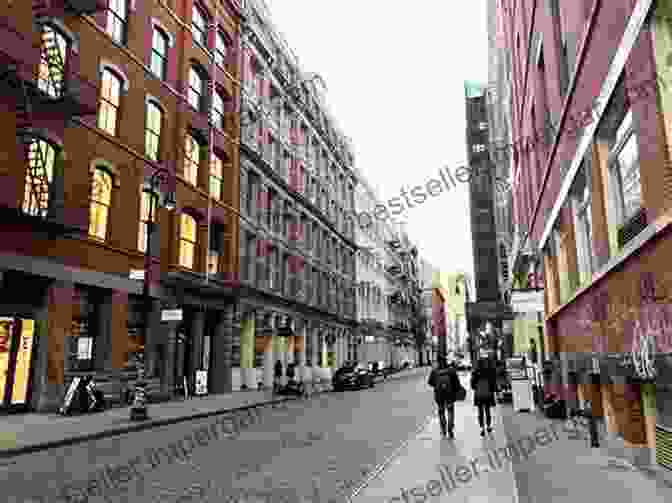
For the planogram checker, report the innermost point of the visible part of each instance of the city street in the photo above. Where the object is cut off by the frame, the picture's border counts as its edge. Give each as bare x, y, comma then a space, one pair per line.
371, 445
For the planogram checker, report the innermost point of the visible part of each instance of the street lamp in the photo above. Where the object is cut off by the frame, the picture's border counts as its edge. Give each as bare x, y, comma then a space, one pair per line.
159, 176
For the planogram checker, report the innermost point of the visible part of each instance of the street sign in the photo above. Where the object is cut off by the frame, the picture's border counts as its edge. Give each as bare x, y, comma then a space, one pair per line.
138, 274
171, 315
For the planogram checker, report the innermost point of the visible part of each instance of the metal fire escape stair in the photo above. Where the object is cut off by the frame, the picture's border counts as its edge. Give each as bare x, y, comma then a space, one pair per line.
53, 59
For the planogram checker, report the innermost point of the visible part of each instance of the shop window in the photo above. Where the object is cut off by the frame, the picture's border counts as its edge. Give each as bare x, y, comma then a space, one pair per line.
110, 99
154, 122
39, 175
117, 19
101, 198
187, 241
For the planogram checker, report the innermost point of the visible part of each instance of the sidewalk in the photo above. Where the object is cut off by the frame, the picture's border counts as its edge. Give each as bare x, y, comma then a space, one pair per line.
475, 469
25, 433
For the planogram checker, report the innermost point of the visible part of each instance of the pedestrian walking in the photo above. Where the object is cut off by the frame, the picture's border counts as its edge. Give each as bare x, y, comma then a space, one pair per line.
484, 383
277, 374
291, 372
446, 386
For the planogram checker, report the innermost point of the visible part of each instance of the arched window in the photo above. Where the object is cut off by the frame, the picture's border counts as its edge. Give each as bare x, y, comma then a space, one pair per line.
147, 200
110, 98
187, 240
158, 63
53, 61
192, 159
221, 49
216, 177
101, 197
199, 25
39, 175
196, 89
154, 121
218, 110
117, 17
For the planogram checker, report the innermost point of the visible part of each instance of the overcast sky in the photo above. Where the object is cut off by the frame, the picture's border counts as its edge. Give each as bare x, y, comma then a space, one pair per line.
394, 73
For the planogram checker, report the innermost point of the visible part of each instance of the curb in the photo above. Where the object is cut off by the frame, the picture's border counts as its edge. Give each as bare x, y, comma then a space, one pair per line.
131, 428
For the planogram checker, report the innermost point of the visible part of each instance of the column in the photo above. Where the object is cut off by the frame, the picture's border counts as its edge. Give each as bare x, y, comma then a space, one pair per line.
168, 374
301, 349
222, 352
52, 324
248, 336
196, 339
269, 360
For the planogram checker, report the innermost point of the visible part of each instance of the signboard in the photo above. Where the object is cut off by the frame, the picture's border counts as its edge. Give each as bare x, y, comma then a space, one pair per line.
171, 315
201, 382
138, 274
67, 401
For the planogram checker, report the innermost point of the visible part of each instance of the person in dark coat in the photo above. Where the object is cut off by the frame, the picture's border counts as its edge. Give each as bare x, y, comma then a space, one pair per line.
277, 374
484, 384
291, 372
446, 383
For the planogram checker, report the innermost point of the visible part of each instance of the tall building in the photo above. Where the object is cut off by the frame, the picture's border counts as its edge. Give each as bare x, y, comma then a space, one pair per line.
99, 103
521, 289
592, 197
297, 235
487, 307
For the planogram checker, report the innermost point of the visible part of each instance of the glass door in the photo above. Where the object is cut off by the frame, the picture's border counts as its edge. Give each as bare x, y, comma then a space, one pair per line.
16, 356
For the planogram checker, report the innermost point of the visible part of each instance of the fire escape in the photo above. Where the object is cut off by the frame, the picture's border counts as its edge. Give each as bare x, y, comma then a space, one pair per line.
47, 91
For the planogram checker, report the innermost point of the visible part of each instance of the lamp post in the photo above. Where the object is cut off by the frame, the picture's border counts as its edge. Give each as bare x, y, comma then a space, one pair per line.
159, 176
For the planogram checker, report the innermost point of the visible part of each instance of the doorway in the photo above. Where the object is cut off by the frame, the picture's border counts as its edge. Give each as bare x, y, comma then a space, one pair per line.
16, 361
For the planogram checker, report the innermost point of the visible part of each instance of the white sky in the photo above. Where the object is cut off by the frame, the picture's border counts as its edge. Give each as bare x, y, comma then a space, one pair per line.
394, 73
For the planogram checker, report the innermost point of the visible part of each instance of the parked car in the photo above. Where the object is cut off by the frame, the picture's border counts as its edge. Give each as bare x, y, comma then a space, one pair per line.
352, 375
378, 369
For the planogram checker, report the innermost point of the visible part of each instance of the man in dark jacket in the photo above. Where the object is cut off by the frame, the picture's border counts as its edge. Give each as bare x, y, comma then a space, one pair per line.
446, 383
277, 374
484, 384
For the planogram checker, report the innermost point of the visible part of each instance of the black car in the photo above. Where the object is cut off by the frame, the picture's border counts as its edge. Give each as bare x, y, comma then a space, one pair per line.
352, 376
378, 369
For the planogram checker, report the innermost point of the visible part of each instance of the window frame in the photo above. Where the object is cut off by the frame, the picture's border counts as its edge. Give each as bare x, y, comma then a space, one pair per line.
157, 30
106, 205
41, 206
54, 89
151, 133
202, 38
221, 40
192, 245
216, 178
191, 91
143, 231
122, 20
616, 192
190, 162
104, 102
218, 115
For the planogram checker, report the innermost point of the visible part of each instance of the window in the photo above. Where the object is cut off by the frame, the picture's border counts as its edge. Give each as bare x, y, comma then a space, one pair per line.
216, 177
218, 110
147, 200
192, 159
479, 147
116, 20
158, 62
110, 97
220, 49
187, 241
581, 196
196, 89
483, 126
199, 26
39, 175
53, 61
154, 121
101, 197
624, 170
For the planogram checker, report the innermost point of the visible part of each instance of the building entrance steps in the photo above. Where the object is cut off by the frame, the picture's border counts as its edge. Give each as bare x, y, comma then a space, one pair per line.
25, 433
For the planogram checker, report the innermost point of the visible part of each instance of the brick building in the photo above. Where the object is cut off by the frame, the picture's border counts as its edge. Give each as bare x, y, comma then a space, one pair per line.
98, 96
592, 197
